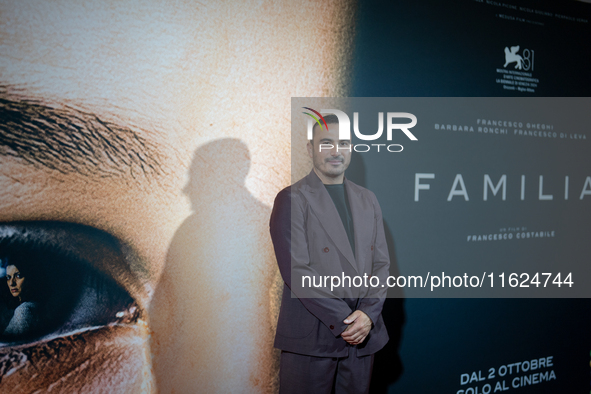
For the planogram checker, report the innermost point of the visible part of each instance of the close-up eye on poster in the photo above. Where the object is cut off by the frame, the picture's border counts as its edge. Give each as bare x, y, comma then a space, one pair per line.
295, 197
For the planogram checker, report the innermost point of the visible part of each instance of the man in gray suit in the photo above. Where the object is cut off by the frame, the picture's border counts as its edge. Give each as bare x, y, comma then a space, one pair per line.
323, 227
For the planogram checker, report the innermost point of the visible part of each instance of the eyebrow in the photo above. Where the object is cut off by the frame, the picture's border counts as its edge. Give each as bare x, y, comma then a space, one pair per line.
69, 140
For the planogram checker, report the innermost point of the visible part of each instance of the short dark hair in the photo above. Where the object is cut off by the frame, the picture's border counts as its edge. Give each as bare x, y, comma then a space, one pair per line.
330, 119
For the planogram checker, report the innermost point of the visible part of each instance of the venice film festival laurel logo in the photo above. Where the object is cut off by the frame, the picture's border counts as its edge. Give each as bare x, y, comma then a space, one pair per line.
344, 124
523, 62
517, 72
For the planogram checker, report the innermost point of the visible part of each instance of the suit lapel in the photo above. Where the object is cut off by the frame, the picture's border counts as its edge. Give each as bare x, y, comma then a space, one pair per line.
324, 208
363, 221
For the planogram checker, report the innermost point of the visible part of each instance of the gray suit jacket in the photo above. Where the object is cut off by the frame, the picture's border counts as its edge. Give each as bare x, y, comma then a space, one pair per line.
310, 240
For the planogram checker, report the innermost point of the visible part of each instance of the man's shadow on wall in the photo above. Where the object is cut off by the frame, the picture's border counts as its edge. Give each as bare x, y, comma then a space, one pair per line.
387, 363
214, 309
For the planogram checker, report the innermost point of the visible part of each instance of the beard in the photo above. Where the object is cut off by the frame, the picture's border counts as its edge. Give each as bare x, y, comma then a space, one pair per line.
328, 169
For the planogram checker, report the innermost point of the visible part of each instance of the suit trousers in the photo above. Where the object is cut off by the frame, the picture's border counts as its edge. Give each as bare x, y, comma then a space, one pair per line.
301, 374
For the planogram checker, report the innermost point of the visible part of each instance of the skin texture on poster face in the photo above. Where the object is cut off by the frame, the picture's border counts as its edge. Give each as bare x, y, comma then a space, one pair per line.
159, 133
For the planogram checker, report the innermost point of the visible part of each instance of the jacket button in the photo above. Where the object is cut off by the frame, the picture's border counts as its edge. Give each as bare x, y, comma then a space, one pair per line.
331, 327
371, 247
326, 250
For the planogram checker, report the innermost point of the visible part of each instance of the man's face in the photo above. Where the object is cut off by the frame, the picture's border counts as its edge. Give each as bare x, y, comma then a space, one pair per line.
108, 103
330, 162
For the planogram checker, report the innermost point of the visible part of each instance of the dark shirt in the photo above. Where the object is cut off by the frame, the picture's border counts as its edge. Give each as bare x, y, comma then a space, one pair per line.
341, 202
